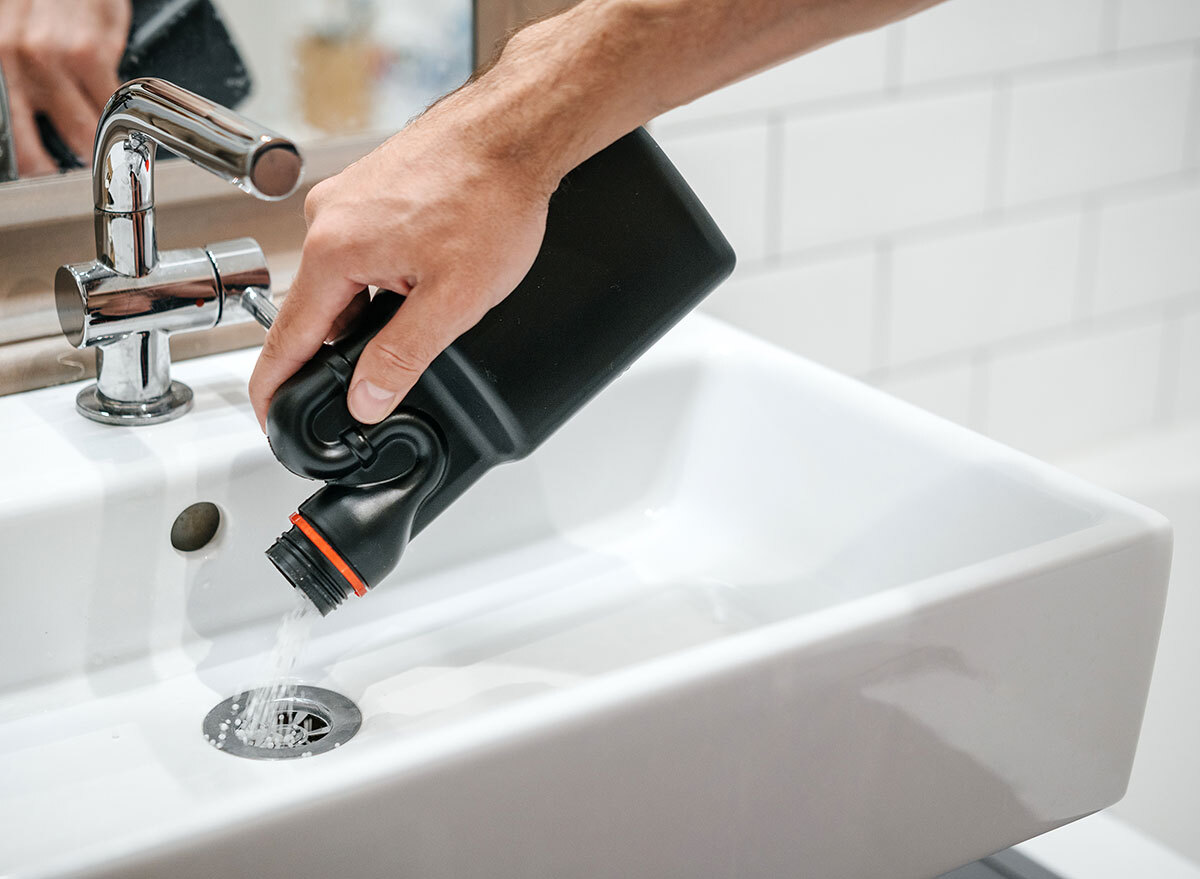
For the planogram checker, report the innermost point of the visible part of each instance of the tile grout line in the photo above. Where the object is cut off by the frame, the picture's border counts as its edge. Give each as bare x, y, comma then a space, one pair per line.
997, 161
893, 60
1137, 315
881, 300
1191, 135
919, 369
773, 228
980, 391
1087, 267
1110, 29
957, 86
1170, 361
1030, 212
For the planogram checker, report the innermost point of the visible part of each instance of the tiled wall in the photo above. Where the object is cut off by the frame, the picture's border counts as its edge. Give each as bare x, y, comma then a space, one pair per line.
992, 210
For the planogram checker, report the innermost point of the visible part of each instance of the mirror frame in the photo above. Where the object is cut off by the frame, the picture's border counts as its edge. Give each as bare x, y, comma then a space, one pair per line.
69, 196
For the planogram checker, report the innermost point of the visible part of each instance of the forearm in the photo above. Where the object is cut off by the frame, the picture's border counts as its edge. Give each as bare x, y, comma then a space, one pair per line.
451, 211
565, 87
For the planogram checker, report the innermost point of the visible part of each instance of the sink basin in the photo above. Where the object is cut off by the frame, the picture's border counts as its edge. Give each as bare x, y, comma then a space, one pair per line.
741, 617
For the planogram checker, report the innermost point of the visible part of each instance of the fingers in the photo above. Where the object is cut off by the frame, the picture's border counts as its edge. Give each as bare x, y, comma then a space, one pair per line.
98, 87
97, 73
317, 296
349, 315
32, 158
73, 116
394, 360
95, 70
51, 70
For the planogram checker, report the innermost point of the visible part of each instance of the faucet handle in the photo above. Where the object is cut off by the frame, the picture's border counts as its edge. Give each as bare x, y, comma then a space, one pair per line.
243, 279
257, 303
191, 289
128, 321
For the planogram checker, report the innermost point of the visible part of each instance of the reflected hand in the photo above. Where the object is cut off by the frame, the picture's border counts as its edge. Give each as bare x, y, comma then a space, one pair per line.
438, 213
59, 58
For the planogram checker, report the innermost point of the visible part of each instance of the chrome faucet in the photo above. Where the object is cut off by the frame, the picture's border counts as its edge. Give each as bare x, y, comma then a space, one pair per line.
127, 301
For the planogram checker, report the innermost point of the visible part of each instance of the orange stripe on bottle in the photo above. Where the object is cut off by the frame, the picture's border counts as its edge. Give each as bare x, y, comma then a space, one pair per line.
360, 588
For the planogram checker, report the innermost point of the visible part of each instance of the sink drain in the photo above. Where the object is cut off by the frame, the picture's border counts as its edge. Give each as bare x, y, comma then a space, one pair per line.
303, 722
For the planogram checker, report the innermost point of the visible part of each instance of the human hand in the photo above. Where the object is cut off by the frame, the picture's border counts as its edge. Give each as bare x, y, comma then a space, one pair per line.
59, 58
437, 213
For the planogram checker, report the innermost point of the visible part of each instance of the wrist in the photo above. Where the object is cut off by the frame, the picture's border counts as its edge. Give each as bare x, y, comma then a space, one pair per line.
559, 92
500, 128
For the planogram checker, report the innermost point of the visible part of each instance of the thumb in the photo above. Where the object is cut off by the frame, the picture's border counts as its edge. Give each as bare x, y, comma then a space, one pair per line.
318, 295
393, 361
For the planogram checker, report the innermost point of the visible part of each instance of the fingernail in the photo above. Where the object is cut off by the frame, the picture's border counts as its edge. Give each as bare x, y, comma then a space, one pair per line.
370, 403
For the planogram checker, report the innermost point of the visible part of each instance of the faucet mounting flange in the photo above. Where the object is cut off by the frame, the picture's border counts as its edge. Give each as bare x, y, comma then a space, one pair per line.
127, 301
93, 405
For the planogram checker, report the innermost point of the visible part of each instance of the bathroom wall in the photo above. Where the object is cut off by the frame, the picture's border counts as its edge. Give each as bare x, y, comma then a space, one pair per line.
992, 210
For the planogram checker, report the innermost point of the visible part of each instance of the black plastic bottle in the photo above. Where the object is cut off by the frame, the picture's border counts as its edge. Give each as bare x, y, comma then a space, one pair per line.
628, 251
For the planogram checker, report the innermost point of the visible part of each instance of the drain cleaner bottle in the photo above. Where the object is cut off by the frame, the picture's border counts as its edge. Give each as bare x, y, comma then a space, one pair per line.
628, 251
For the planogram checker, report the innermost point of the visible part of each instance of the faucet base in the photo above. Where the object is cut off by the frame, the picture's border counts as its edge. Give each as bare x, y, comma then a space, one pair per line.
92, 404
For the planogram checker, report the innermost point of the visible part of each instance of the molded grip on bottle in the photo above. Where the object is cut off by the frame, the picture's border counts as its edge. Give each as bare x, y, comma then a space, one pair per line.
350, 534
312, 432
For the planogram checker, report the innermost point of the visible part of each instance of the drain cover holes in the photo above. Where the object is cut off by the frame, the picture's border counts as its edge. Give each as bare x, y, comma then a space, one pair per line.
305, 721
195, 527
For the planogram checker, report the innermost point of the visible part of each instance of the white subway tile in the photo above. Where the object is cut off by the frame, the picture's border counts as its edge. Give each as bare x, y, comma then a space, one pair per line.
943, 390
1089, 130
985, 36
1147, 22
984, 286
853, 66
820, 310
1188, 382
861, 173
727, 169
1149, 250
1071, 394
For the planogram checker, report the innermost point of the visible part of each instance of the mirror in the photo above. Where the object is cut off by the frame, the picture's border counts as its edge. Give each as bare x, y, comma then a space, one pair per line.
314, 70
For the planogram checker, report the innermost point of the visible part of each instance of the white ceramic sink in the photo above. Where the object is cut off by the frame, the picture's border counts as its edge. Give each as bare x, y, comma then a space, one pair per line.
742, 617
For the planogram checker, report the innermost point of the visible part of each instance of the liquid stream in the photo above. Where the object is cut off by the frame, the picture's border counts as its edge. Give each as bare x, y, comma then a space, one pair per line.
260, 722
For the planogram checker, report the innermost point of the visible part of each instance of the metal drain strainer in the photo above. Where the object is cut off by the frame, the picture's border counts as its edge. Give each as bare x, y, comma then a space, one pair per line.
306, 721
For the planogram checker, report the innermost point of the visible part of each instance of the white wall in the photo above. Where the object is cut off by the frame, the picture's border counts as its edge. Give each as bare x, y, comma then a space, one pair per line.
992, 210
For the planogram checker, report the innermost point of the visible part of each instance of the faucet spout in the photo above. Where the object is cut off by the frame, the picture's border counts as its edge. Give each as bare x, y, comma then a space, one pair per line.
147, 112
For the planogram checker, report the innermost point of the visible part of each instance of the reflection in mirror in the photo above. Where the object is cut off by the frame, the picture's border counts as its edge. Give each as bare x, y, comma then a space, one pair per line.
313, 69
